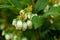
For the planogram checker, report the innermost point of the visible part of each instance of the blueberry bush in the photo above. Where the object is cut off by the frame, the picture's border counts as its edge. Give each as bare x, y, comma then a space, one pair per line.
29, 19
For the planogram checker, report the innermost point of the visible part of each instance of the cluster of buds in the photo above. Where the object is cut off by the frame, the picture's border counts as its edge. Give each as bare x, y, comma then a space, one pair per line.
23, 21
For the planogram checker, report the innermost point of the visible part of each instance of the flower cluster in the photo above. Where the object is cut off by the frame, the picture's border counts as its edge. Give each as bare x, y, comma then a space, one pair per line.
23, 21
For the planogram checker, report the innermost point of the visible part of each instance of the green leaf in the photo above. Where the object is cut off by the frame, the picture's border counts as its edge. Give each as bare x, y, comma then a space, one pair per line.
6, 6
53, 11
40, 4
15, 3
37, 21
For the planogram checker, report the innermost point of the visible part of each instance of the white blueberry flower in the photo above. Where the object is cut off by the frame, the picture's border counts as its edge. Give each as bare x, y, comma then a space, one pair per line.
24, 26
46, 9
52, 16
29, 16
7, 37
22, 11
55, 5
24, 38
29, 24
14, 22
51, 21
3, 33
19, 24
34, 15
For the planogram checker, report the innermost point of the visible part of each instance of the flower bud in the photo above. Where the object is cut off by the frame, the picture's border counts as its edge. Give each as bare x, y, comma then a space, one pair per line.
51, 21
21, 12
55, 5
47, 8
14, 22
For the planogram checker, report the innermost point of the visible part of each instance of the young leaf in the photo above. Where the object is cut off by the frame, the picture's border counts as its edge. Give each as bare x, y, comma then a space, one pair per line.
37, 21
40, 4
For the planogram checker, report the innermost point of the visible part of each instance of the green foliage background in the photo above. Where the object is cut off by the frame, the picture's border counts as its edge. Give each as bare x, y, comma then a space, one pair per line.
9, 9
